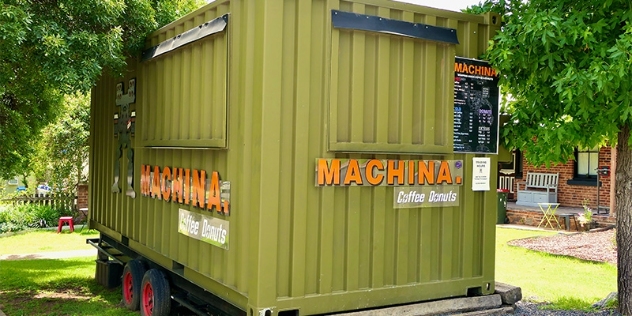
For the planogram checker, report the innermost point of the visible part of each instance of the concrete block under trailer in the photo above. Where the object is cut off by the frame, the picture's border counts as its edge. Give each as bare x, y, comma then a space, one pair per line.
330, 206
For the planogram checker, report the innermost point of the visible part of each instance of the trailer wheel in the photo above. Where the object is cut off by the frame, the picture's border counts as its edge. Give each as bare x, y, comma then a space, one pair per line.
156, 295
132, 279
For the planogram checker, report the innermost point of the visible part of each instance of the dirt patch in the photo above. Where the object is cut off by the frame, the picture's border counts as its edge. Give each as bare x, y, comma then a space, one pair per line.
41, 300
65, 295
594, 246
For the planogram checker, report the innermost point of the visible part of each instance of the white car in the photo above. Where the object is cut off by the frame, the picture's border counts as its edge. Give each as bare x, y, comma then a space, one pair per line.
43, 189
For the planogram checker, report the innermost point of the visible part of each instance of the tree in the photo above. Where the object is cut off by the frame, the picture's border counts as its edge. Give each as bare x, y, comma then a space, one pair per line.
567, 65
51, 48
62, 151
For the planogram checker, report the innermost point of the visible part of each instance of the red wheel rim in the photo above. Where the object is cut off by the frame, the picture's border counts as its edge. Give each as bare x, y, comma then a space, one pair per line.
148, 299
128, 287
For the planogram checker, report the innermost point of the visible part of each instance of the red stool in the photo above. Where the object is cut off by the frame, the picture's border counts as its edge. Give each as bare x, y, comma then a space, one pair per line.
68, 220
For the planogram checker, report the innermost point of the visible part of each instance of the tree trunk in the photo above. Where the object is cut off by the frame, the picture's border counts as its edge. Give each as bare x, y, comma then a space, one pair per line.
623, 188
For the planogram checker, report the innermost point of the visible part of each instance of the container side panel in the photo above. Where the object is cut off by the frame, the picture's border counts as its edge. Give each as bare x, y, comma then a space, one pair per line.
380, 244
200, 255
99, 137
375, 90
191, 110
320, 228
299, 261
182, 102
274, 148
242, 131
368, 92
289, 105
259, 102
111, 147
265, 149
339, 239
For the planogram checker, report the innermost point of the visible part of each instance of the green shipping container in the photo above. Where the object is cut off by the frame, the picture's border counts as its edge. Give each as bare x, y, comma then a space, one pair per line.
258, 149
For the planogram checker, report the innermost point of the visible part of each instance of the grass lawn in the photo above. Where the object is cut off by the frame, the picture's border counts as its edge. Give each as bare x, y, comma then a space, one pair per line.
45, 241
565, 282
67, 287
56, 287
53, 287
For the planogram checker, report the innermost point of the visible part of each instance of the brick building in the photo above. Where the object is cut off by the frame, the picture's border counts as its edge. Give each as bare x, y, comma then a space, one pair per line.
82, 202
577, 178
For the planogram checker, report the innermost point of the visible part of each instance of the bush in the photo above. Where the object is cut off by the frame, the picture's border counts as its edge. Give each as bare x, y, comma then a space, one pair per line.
20, 217
4, 215
47, 215
10, 227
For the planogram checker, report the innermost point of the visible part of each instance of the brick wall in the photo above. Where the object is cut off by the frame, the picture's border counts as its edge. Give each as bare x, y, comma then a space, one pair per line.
533, 218
573, 194
82, 196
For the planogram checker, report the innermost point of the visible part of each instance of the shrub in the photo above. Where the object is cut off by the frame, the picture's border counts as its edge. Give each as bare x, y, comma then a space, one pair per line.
4, 215
20, 217
10, 227
46, 215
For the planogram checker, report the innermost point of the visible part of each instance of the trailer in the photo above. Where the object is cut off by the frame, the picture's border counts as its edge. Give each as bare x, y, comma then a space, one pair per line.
298, 157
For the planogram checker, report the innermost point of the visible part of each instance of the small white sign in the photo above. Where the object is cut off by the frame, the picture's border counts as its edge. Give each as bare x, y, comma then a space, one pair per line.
481, 174
426, 196
205, 228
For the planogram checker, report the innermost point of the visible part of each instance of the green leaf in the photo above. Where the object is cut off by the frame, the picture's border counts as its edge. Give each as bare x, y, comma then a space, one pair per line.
61, 47
567, 60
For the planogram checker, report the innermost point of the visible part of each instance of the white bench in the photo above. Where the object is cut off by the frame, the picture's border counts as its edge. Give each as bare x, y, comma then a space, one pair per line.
539, 188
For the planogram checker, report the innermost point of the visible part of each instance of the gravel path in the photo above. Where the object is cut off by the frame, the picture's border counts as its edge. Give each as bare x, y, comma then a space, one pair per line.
531, 309
593, 246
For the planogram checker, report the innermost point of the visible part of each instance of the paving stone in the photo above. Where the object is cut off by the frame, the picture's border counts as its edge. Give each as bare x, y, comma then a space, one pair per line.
508, 293
441, 307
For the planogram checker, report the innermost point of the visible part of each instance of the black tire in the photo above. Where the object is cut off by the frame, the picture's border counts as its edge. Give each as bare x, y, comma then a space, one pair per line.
155, 294
131, 283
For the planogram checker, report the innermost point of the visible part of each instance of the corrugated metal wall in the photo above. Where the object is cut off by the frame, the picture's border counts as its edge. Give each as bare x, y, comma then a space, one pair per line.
181, 102
294, 245
377, 100
180, 82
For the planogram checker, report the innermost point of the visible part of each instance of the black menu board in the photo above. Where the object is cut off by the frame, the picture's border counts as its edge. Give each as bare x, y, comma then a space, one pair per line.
475, 106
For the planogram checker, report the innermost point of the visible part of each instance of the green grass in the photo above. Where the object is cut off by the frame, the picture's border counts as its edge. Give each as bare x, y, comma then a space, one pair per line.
56, 287
566, 283
67, 287
45, 241
53, 287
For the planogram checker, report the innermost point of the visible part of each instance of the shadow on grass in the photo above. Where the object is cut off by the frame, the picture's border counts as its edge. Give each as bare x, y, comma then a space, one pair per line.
56, 287
24, 274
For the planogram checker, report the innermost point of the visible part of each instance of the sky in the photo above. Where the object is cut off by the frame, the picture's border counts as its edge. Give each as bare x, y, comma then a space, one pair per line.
454, 5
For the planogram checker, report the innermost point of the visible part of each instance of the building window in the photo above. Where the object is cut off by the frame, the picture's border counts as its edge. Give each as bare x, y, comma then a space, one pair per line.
586, 164
514, 167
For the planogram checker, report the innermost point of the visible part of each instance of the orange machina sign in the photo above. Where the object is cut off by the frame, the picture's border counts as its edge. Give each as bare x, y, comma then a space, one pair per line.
374, 172
417, 183
186, 186
478, 70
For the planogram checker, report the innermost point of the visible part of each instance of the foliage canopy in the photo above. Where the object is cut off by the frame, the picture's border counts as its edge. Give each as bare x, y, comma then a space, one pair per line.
51, 48
566, 65
62, 151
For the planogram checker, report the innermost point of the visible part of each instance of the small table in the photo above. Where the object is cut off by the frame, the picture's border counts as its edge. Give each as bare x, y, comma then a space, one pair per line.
548, 209
84, 211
